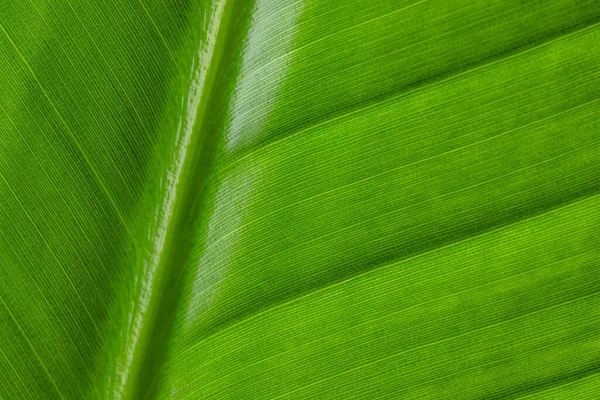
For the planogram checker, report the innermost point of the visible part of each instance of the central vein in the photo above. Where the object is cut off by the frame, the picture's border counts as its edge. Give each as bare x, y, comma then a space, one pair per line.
168, 246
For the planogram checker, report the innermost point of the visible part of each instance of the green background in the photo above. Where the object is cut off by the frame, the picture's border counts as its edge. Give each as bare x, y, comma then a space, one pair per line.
307, 199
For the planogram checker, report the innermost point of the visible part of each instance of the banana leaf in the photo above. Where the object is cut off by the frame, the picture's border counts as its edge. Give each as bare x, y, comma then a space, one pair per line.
301, 199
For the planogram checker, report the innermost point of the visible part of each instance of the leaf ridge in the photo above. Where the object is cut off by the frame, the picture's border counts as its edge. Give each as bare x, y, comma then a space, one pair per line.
420, 85
425, 159
592, 375
442, 341
507, 278
577, 201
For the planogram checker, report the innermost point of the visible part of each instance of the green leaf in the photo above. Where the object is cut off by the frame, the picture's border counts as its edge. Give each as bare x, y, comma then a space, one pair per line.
303, 199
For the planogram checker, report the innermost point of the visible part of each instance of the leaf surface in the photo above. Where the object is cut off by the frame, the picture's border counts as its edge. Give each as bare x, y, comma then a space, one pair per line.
295, 200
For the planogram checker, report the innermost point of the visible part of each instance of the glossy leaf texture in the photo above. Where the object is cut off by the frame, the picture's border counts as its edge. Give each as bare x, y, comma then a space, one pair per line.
303, 199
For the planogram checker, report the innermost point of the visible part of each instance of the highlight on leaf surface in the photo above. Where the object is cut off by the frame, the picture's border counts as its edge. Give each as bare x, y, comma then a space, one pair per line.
303, 199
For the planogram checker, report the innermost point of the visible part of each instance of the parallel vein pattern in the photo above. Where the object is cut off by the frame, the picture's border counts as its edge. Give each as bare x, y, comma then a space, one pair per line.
309, 199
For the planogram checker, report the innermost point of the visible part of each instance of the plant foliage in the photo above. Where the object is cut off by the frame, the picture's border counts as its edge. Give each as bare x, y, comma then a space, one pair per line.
303, 199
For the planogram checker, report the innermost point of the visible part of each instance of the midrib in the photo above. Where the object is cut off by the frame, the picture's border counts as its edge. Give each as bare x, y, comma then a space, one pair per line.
169, 244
